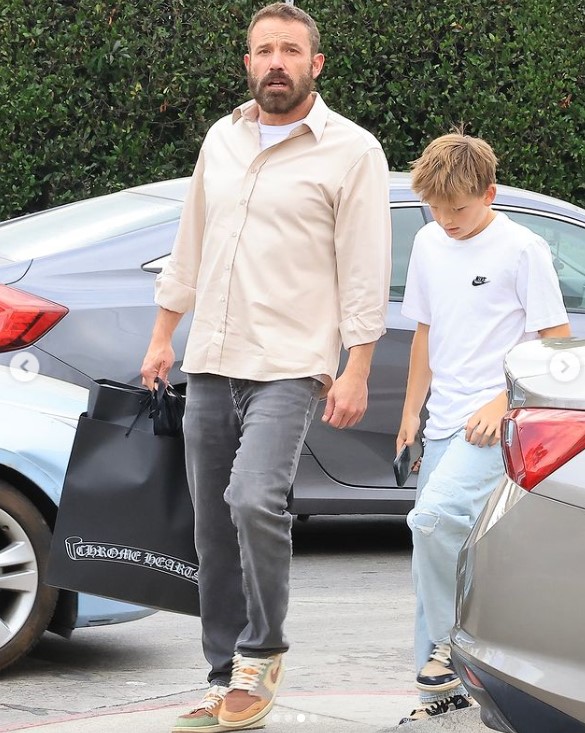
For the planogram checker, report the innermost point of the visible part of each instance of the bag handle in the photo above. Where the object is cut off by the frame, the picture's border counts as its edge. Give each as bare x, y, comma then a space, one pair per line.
164, 422
145, 402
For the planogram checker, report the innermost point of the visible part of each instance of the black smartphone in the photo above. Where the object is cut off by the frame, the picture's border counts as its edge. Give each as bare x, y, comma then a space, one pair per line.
405, 460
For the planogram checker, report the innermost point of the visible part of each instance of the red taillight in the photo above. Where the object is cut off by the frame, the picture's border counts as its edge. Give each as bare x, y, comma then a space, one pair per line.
537, 441
473, 678
24, 318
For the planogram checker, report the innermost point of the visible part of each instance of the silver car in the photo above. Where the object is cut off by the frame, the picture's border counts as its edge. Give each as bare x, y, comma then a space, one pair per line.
519, 639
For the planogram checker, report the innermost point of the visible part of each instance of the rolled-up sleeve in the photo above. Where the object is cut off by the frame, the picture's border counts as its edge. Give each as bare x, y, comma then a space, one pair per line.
363, 240
175, 286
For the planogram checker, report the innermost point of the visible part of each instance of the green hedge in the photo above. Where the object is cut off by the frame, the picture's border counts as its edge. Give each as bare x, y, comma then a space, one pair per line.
96, 96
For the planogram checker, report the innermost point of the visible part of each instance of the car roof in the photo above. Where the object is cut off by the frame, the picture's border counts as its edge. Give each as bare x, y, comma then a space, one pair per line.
400, 191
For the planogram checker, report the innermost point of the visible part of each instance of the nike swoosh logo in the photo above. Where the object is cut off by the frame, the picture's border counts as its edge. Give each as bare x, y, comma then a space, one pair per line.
480, 281
274, 674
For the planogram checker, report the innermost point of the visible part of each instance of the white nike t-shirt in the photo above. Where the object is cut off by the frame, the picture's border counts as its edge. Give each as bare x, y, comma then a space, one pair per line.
480, 297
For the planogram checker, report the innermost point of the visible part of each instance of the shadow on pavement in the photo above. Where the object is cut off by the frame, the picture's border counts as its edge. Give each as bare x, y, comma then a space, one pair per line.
355, 534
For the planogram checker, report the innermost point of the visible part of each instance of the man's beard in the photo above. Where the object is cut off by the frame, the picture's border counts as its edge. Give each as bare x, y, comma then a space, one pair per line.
283, 100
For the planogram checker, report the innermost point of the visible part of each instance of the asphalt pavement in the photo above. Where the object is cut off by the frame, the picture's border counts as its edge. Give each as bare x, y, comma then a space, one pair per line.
371, 713
349, 667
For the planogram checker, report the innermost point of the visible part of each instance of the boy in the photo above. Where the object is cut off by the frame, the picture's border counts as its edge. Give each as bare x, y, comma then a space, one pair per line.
478, 283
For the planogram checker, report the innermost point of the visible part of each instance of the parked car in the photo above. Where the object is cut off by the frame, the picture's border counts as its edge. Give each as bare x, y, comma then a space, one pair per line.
519, 641
76, 304
37, 424
77, 295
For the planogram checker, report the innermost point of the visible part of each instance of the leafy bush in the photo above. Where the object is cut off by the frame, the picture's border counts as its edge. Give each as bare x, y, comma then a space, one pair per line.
97, 95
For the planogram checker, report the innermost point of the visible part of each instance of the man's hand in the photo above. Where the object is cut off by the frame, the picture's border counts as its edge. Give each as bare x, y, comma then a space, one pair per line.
483, 427
158, 361
346, 401
160, 356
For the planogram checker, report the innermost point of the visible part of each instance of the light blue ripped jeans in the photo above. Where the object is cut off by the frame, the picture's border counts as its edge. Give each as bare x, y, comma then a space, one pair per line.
455, 481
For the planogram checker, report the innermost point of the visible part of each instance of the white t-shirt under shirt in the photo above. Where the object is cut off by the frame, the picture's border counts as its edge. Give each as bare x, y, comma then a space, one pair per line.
273, 134
480, 297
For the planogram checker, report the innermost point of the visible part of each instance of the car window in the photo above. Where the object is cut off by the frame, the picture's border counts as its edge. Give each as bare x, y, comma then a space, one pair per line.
81, 224
406, 221
567, 244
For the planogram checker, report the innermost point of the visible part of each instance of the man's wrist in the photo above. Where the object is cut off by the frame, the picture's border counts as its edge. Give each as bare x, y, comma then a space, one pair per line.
356, 371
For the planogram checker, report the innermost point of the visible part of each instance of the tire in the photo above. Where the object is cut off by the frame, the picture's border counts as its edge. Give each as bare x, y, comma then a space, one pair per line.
26, 604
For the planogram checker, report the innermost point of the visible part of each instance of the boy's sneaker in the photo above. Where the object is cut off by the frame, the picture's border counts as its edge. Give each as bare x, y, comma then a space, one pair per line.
438, 674
252, 691
449, 704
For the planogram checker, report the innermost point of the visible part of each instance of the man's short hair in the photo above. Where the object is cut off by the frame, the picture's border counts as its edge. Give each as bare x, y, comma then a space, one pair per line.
452, 166
284, 11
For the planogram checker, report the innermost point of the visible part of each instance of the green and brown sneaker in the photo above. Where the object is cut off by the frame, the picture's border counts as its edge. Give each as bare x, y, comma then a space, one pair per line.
203, 717
252, 691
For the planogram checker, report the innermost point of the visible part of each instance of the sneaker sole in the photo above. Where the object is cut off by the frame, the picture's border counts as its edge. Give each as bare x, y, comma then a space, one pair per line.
229, 725
439, 688
219, 728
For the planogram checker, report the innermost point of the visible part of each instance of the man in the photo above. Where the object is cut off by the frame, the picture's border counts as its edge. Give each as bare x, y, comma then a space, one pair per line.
283, 254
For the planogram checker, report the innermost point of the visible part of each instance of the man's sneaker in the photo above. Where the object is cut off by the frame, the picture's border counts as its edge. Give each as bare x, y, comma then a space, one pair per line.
455, 702
253, 687
203, 717
438, 674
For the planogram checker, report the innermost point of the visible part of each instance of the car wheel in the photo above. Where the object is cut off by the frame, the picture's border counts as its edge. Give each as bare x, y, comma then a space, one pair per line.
26, 604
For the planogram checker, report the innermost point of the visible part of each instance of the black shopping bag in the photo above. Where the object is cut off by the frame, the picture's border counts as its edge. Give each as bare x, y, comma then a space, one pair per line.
124, 528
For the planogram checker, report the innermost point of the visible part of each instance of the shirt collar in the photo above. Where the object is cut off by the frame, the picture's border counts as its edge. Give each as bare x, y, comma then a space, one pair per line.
315, 120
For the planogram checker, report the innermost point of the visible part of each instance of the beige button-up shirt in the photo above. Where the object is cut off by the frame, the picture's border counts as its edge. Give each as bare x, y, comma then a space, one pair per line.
282, 254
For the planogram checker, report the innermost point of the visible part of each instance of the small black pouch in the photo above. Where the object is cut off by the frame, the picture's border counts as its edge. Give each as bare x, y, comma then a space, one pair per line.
167, 407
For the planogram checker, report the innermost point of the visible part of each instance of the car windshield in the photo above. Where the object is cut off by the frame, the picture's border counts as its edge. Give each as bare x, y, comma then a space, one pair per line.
78, 225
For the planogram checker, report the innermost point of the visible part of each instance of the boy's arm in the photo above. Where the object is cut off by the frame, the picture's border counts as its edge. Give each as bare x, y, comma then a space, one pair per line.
483, 427
556, 332
417, 387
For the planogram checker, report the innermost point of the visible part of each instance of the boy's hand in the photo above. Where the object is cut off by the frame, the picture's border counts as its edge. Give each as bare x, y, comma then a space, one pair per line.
407, 432
483, 427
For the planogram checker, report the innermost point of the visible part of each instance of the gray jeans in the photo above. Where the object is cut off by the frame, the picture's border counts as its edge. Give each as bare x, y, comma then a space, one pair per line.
243, 440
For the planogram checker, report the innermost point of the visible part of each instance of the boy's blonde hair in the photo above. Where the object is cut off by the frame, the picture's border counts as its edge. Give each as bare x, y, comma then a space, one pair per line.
453, 166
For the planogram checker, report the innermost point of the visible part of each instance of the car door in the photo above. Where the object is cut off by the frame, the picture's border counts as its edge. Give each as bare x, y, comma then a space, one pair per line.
362, 456
566, 239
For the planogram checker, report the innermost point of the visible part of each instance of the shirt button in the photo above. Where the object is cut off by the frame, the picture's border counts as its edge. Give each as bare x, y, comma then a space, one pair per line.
226, 267
234, 234
222, 298
243, 202
254, 170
